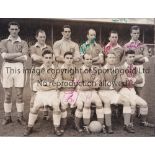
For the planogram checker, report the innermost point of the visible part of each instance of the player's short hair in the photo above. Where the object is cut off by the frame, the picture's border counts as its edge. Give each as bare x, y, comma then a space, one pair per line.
68, 53
13, 23
39, 31
129, 52
113, 31
47, 52
66, 26
89, 30
135, 27
83, 57
111, 52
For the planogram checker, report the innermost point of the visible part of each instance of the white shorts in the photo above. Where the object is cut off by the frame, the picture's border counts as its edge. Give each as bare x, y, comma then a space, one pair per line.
112, 95
12, 75
68, 97
141, 72
46, 98
88, 97
133, 97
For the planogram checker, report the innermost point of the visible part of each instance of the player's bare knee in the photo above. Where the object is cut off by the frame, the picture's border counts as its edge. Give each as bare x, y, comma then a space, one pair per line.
34, 110
106, 104
98, 104
144, 106
86, 107
125, 101
8, 95
99, 107
80, 106
19, 97
56, 108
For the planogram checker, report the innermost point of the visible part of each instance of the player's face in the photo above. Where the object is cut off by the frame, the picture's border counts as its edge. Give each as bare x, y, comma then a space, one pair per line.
66, 33
14, 30
91, 36
130, 58
135, 34
111, 59
68, 59
41, 38
113, 38
47, 60
88, 60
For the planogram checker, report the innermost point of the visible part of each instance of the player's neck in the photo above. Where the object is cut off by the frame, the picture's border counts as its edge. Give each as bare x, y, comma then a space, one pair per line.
13, 38
111, 65
113, 44
66, 39
41, 44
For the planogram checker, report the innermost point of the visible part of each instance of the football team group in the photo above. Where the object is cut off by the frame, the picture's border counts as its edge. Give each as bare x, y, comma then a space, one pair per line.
68, 77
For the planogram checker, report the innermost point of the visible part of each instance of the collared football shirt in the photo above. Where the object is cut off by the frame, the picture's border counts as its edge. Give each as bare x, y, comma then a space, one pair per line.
10, 46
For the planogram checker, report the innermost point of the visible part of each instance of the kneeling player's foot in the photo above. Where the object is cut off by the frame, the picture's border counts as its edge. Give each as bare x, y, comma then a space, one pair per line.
129, 129
79, 129
62, 130
86, 129
7, 120
104, 129
57, 131
147, 124
109, 130
28, 131
21, 120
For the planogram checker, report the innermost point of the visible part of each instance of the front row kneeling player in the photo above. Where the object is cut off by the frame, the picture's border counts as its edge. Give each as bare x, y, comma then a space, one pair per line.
45, 83
133, 78
109, 93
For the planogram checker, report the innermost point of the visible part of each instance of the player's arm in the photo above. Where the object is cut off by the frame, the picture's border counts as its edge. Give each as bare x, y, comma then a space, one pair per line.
45, 88
145, 54
24, 55
96, 82
139, 57
100, 58
34, 56
25, 51
57, 53
22, 58
4, 52
10, 56
138, 77
37, 58
77, 54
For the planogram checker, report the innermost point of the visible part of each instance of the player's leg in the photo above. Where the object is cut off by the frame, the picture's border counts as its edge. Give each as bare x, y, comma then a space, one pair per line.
143, 112
126, 113
78, 114
33, 115
19, 87
56, 115
99, 109
7, 82
106, 99
20, 106
87, 109
63, 107
7, 106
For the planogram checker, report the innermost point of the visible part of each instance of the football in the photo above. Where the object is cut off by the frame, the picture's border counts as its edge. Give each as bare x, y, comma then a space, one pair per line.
95, 127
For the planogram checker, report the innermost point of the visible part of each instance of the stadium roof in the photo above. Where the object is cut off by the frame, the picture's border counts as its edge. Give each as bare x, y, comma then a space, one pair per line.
143, 21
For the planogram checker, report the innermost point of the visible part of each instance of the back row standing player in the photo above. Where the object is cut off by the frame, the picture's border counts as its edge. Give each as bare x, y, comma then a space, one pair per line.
14, 52
92, 48
64, 45
115, 47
